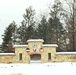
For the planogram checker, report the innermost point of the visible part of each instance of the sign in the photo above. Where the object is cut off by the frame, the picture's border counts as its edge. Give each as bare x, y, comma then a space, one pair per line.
27, 50
41, 50
34, 49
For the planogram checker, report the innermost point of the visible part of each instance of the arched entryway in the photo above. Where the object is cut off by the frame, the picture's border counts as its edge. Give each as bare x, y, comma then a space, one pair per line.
35, 58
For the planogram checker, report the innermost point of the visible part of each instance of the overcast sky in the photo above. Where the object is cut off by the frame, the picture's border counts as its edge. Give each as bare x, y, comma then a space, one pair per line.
12, 10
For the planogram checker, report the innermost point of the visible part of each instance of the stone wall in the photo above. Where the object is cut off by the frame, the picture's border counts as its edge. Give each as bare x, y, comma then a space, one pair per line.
48, 49
7, 57
25, 56
35, 44
65, 57
48, 53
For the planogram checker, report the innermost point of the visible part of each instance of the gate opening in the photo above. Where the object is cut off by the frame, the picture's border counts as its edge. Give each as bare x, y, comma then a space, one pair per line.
35, 57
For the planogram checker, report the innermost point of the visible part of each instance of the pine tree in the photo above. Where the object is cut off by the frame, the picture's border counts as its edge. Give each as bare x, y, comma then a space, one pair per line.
8, 33
26, 30
55, 26
43, 29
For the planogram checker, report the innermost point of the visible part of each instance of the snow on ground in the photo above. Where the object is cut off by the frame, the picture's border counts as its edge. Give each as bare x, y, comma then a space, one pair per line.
65, 68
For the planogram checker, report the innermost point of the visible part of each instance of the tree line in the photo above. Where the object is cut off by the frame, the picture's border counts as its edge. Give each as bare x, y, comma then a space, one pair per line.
51, 30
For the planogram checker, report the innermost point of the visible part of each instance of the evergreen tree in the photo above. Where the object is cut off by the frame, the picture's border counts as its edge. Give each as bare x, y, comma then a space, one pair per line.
55, 26
43, 29
26, 30
21, 31
8, 33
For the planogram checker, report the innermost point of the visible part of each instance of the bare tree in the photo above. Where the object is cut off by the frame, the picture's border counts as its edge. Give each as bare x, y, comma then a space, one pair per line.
70, 21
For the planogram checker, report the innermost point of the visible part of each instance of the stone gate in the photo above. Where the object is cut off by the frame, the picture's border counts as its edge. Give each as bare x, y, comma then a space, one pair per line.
36, 50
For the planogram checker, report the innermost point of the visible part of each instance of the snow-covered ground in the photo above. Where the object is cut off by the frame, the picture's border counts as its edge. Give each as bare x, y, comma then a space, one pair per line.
65, 68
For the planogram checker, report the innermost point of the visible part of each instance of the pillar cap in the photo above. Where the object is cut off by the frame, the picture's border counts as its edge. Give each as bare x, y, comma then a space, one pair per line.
51, 45
34, 40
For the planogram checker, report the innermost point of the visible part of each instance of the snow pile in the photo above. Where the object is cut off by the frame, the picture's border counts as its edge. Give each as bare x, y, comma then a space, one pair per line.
65, 68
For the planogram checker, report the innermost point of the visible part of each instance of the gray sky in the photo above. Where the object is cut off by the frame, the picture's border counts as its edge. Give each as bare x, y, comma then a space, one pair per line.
12, 10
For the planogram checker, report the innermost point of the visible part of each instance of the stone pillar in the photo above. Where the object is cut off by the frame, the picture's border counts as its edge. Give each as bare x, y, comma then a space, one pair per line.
35, 44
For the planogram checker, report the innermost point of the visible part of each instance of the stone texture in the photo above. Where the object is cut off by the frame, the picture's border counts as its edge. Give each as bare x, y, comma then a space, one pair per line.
36, 44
